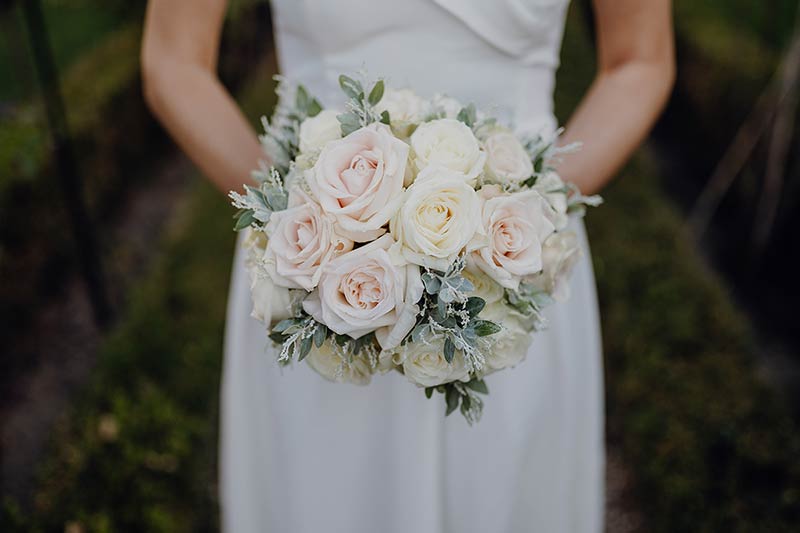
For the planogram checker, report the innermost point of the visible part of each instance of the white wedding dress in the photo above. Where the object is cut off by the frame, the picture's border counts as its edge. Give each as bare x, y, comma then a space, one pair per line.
300, 454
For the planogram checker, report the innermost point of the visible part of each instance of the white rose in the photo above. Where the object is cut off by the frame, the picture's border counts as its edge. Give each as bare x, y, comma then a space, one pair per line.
551, 187
358, 180
506, 158
425, 365
484, 286
302, 241
368, 290
560, 253
509, 346
270, 303
332, 365
513, 229
317, 131
439, 215
405, 109
450, 144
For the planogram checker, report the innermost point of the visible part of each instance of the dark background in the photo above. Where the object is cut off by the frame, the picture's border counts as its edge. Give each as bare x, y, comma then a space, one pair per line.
108, 396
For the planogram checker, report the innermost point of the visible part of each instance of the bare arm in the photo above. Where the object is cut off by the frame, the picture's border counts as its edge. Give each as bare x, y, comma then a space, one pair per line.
636, 70
179, 61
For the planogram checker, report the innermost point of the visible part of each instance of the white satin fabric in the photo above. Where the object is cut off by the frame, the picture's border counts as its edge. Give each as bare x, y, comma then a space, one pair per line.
300, 454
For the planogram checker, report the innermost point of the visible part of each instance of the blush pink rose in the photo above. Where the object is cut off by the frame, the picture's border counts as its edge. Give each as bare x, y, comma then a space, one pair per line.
514, 226
301, 242
358, 180
368, 289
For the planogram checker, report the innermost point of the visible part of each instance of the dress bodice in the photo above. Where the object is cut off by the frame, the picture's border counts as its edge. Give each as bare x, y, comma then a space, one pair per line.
499, 54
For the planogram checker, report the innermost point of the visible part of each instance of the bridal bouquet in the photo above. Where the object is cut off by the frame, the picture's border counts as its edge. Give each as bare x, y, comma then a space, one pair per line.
405, 234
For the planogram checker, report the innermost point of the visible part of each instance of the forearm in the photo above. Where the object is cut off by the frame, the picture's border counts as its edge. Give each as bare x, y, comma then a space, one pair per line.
205, 121
615, 116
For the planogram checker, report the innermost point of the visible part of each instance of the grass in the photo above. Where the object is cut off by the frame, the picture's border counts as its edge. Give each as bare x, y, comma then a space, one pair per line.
712, 447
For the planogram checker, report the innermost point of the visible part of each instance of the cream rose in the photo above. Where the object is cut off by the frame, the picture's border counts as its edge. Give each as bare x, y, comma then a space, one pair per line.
509, 346
405, 109
358, 180
484, 286
425, 365
515, 227
368, 290
439, 215
333, 366
270, 303
560, 254
506, 158
318, 130
450, 144
551, 187
302, 241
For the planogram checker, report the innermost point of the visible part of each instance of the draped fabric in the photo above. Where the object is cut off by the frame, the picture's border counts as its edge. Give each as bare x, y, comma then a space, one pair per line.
300, 454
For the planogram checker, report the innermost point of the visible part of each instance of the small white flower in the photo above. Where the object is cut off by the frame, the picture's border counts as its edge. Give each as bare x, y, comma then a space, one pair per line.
449, 144
405, 110
552, 188
317, 131
424, 363
506, 158
447, 105
510, 346
560, 254
329, 363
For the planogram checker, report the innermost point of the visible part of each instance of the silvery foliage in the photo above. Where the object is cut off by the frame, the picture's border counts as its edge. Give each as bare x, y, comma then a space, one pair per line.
464, 395
258, 203
447, 310
360, 106
281, 138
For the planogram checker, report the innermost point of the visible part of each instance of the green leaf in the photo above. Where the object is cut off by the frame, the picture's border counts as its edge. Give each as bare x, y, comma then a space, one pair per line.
302, 99
351, 87
350, 123
466, 401
385, 119
314, 108
376, 93
341, 340
305, 348
484, 328
451, 397
276, 337
320, 334
468, 115
478, 385
283, 325
428, 392
475, 305
432, 283
449, 350
246, 218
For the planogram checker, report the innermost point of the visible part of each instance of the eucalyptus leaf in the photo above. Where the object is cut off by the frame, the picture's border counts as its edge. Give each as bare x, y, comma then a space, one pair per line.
428, 392
246, 218
484, 328
451, 397
320, 334
351, 87
478, 385
449, 350
474, 306
314, 108
305, 348
376, 93
385, 118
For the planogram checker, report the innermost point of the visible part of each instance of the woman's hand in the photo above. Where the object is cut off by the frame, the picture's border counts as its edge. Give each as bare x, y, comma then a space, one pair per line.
636, 71
179, 61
